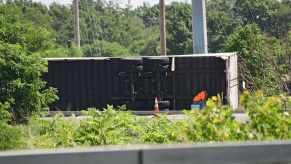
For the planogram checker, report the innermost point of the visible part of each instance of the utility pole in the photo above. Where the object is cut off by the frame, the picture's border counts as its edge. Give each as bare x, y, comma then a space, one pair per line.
199, 27
129, 4
76, 23
163, 28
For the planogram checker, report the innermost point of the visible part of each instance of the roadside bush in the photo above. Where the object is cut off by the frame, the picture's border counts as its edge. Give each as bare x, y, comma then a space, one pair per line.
267, 119
162, 130
5, 116
107, 128
57, 132
113, 126
21, 82
214, 123
11, 137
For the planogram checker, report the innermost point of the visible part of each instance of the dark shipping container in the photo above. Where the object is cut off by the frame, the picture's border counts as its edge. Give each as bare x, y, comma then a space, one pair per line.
135, 82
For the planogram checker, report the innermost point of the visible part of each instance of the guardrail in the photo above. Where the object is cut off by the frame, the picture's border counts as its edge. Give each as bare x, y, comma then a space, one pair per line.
245, 153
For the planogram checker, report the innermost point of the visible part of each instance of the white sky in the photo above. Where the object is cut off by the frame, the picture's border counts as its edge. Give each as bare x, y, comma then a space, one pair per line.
133, 2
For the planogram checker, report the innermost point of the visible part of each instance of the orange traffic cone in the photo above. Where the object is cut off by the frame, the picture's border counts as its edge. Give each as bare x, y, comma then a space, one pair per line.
156, 107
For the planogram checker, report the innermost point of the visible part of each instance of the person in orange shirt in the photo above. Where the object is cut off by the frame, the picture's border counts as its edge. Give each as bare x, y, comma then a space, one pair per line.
200, 99
201, 96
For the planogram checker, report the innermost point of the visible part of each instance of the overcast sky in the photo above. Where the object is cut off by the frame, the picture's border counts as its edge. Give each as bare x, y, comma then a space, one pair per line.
133, 2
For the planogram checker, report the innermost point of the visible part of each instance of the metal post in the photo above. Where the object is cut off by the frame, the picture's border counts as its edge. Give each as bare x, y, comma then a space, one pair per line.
163, 28
199, 26
76, 23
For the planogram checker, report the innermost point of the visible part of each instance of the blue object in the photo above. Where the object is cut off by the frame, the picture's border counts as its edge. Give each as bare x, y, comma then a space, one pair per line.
195, 107
198, 105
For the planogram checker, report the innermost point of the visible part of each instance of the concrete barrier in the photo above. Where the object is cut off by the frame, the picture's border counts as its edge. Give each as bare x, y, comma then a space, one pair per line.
232, 153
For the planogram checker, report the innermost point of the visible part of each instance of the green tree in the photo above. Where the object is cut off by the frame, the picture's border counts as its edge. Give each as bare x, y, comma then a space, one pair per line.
15, 29
21, 82
61, 22
256, 11
221, 22
258, 58
280, 23
149, 15
104, 48
103, 23
179, 29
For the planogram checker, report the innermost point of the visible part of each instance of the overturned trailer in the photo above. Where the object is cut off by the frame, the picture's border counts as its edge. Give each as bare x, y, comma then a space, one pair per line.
136, 82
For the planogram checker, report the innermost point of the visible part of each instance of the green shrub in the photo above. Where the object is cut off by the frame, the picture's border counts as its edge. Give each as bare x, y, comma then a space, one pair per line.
10, 137
57, 132
214, 123
5, 116
107, 128
267, 119
21, 81
161, 130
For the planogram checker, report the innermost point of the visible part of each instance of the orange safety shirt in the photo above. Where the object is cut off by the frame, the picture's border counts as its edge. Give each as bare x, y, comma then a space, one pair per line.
202, 96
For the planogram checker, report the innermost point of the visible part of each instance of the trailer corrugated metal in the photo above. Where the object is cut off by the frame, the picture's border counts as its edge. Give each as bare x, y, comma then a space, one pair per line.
135, 82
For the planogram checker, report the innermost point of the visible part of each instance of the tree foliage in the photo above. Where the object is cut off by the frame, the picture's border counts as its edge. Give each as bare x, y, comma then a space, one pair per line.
179, 27
21, 81
11, 137
258, 58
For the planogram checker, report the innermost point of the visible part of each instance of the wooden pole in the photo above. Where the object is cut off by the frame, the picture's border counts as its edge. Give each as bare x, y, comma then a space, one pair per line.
163, 28
76, 23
